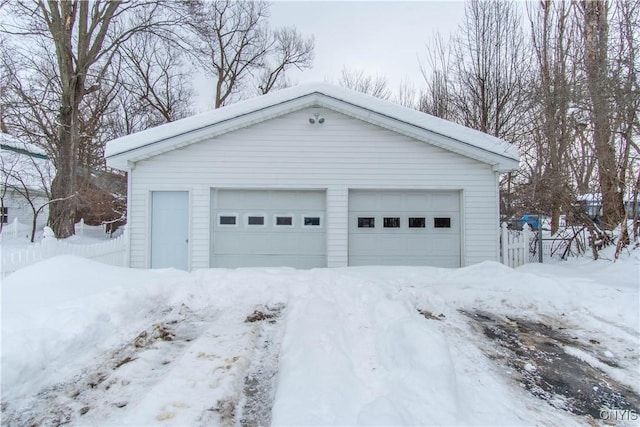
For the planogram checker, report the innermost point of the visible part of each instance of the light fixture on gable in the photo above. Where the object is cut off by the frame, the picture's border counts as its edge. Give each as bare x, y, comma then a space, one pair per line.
316, 118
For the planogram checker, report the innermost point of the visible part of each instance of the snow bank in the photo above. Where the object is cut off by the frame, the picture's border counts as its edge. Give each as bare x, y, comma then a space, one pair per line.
63, 309
355, 348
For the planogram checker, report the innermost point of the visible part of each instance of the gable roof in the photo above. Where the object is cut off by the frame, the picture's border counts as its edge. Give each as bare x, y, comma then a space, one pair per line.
121, 153
24, 165
11, 143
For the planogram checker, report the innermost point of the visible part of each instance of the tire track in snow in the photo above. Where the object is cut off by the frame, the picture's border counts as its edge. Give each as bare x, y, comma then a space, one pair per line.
554, 366
206, 384
185, 368
202, 385
261, 379
115, 380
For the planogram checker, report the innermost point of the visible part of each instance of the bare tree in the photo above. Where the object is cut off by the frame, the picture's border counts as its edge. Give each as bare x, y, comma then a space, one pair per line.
437, 70
596, 38
359, 81
84, 36
490, 68
479, 77
625, 64
553, 32
237, 48
572, 105
28, 96
154, 77
407, 95
290, 50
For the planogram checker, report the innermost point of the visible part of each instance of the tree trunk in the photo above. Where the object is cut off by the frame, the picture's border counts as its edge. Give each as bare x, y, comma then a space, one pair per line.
596, 31
34, 223
63, 187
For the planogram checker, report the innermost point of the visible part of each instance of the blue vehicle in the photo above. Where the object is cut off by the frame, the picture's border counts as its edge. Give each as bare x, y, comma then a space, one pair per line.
530, 219
534, 220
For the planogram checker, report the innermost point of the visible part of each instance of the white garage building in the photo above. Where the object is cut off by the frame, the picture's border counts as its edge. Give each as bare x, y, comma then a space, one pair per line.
312, 176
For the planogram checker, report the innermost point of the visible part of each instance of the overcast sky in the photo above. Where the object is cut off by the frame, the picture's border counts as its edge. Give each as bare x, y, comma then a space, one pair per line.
383, 38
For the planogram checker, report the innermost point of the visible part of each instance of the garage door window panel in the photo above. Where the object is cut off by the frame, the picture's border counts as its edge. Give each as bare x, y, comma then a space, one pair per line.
366, 222
228, 220
417, 222
255, 220
311, 221
441, 222
283, 220
391, 222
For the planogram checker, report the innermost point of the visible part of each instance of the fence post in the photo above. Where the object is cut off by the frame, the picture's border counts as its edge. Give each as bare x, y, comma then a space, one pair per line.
526, 231
49, 243
504, 243
540, 238
81, 227
125, 239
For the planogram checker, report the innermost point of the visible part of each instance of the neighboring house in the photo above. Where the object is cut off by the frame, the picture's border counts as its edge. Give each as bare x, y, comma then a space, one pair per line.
312, 176
592, 205
26, 175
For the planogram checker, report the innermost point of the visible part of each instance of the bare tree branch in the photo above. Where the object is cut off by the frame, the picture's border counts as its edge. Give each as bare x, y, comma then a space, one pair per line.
371, 85
239, 51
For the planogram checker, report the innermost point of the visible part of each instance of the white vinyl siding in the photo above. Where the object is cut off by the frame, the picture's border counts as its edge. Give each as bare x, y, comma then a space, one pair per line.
17, 206
341, 154
337, 226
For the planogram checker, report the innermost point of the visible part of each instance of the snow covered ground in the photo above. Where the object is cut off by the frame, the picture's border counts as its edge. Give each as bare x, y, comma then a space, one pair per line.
89, 344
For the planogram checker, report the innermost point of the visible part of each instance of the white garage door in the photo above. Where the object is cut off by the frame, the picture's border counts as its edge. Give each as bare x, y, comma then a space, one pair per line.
262, 228
404, 228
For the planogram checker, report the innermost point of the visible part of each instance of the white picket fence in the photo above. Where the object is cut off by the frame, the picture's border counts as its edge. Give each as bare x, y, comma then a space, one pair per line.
16, 229
514, 249
514, 245
112, 252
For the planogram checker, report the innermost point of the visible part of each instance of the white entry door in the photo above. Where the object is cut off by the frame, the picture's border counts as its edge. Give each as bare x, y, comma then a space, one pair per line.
170, 229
